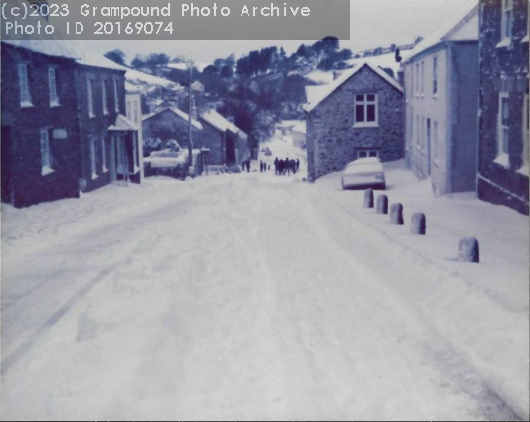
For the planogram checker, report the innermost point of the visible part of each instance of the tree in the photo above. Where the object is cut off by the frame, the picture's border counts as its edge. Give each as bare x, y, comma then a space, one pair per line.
138, 62
117, 56
211, 70
227, 71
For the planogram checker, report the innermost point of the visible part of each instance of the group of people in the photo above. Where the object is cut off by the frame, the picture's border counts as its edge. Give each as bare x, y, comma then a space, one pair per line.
286, 166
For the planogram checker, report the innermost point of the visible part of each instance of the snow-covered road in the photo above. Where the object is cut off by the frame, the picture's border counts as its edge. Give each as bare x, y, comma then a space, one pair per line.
245, 297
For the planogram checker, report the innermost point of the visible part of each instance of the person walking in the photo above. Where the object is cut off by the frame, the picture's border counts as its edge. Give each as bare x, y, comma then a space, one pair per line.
276, 166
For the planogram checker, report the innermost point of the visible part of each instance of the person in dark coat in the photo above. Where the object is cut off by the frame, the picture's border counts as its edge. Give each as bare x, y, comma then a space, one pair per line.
276, 166
297, 165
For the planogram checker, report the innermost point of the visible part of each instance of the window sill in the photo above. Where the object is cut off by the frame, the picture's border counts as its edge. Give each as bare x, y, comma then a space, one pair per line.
436, 162
504, 43
365, 125
47, 170
524, 170
435, 96
503, 160
26, 104
525, 39
94, 176
91, 116
55, 104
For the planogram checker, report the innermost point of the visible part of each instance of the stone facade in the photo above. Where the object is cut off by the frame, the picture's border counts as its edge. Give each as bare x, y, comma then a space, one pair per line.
503, 68
332, 138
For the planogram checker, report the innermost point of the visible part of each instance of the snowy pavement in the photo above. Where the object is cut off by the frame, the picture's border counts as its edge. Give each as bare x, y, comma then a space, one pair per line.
251, 296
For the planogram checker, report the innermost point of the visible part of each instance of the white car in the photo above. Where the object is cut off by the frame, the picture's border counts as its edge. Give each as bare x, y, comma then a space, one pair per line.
364, 173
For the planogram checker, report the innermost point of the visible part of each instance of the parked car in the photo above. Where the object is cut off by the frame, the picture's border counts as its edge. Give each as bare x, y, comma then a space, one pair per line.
364, 173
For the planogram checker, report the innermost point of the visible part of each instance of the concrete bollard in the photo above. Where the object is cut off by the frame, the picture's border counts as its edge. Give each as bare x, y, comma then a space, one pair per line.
368, 198
468, 250
396, 214
419, 224
382, 204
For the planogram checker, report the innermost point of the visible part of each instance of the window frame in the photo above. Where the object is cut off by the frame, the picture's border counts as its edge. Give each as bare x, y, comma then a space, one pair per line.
92, 156
115, 91
53, 91
506, 30
104, 97
435, 76
46, 153
502, 156
103, 145
422, 67
367, 152
365, 103
90, 97
525, 159
23, 85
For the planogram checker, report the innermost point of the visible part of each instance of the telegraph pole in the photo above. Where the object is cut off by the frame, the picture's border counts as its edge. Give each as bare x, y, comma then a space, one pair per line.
190, 140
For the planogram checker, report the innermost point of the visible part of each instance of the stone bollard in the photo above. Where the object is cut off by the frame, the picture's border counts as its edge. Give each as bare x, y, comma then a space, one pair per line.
419, 224
382, 204
368, 198
396, 214
468, 250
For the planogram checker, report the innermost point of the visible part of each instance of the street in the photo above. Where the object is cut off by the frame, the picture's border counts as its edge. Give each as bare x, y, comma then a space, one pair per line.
242, 296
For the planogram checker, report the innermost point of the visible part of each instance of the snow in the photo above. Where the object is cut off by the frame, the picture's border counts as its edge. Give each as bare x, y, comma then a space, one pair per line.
251, 296
179, 113
323, 93
467, 17
300, 127
222, 123
363, 166
383, 61
320, 76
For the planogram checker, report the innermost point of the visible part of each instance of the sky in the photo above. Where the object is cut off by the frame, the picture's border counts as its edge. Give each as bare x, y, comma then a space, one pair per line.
373, 23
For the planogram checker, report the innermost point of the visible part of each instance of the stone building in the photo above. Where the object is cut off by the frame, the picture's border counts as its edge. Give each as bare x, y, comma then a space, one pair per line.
503, 103
63, 129
441, 90
359, 115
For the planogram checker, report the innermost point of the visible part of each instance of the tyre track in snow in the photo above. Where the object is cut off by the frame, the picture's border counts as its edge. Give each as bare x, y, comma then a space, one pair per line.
439, 348
119, 256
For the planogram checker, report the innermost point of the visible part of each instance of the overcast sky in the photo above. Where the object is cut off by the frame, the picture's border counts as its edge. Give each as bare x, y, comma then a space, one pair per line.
373, 23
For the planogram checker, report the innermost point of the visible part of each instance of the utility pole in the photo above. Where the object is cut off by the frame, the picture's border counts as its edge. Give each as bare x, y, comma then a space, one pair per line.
190, 140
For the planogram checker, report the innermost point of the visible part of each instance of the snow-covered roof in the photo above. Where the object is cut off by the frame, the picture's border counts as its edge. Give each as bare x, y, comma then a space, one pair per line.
197, 86
179, 66
56, 48
300, 127
178, 112
383, 60
464, 27
320, 76
222, 123
122, 124
327, 90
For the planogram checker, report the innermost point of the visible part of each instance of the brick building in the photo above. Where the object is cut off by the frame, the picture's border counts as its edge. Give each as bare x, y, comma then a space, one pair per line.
359, 115
503, 103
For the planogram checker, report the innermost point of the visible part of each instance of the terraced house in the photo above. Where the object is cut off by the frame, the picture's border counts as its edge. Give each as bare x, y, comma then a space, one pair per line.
63, 126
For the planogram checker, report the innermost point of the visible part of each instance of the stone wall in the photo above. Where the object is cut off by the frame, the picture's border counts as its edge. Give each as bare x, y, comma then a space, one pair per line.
499, 183
332, 140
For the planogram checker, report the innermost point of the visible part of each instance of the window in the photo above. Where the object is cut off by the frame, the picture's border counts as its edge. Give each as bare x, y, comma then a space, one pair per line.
503, 129
507, 19
90, 98
367, 153
417, 78
434, 75
25, 97
365, 110
129, 110
116, 102
104, 96
103, 153
45, 152
92, 145
526, 133
422, 78
423, 134
52, 82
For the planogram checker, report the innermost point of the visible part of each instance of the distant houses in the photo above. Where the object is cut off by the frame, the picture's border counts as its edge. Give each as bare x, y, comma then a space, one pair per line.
441, 93
503, 104
359, 115
64, 129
